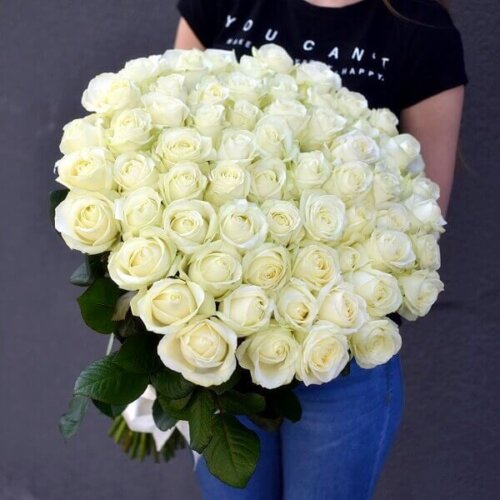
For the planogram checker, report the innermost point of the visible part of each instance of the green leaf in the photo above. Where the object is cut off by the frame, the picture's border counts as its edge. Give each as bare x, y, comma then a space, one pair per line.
238, 403
56, 198
97, 305
285, 403
233, 451
269, 424
163, 421
88, 271
111, 411
226, 386
347, 370
171, 384
201, 412
106, 381
175, 408
138, 354
71, 420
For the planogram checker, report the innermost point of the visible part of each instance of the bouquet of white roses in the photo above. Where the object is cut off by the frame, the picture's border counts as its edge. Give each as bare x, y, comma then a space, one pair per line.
246, 226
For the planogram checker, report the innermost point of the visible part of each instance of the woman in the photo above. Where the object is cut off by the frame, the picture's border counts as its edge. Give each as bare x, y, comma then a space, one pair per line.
405, 55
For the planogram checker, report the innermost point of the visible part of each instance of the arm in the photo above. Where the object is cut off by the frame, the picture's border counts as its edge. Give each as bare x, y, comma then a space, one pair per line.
435, 122
185, 38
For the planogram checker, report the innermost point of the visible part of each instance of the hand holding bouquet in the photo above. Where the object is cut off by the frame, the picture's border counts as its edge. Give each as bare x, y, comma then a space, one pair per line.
246, 226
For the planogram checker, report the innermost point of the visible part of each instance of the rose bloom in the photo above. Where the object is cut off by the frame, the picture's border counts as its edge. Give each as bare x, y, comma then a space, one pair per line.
283, 219
90, 169
142, 260
324, 354
139, 209
246, 310
343, 307
375, 343
183, 181
87, 132
190, 224
216, 267
130, 130
203, 351
267, 266
86, 221
135, 170
170, 303
270, 355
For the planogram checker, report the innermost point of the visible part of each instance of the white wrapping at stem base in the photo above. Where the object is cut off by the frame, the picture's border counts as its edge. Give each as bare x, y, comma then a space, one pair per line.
139, 418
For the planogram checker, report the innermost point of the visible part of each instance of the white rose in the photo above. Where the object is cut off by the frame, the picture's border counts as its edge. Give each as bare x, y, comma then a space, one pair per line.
109, 92
89, 169
274, 138
271, 356
142, 260
246, 310
228, 181
387, 186
130, 130
283, 219
183, 181
427, 213
393, 216
380, 290
420, 292
296, 306
323, 215
355, 147
317, 265
360, 223
178, 145
293, 111
323, 126
171, 303
273, 56
208, 91
318, 75
310, 170
165, 111
427, 251
267, 266
244, 87
375, 343
425, 188
143, 70
208, 120
351, 104
86, 221
237, 145
350, 181
83, 133
242, 224
216, 267
268, 178
139, 209
243, 115
135, 170
203, 351
170, 85
190, 62
253, 67
384, 120
341, 306
352, 257
402, 150
282, 86
324, 354
390, 250
190, 223
220, 61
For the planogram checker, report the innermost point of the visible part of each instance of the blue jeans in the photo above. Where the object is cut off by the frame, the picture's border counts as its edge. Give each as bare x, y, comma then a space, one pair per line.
335, 452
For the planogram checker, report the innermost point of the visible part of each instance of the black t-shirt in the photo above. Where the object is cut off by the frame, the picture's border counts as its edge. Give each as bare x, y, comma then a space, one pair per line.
394, 62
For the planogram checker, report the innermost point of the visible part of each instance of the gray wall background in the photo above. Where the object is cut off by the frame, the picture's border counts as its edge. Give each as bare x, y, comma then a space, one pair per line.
448, 445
